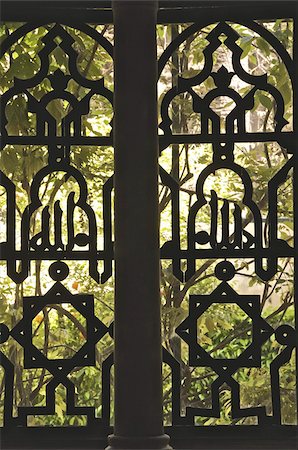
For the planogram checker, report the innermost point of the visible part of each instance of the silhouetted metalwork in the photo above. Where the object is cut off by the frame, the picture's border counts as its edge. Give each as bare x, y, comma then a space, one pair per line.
51, 242
223, 238
220, 241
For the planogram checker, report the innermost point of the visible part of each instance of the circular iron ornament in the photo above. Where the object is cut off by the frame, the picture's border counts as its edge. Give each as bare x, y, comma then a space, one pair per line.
82, 239
285, 335
4, 333
224, 271
202, 237
58, 271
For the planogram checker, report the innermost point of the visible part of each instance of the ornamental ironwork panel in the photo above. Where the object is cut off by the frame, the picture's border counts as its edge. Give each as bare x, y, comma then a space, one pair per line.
56, 110
227, 167
227, 162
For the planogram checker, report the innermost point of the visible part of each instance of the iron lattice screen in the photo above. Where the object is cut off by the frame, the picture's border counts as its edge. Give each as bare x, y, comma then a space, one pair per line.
226, 96
65, 104
212, 127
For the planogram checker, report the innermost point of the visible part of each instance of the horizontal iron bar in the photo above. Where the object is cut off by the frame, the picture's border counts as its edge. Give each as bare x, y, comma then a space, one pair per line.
181, 254
215, 437
290, 136
169, 11
73, 255
60, 140
231, 11
227, 253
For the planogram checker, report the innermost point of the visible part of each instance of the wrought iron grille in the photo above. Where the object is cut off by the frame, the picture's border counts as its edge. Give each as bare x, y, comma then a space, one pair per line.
242, 234
59, 222
226, 121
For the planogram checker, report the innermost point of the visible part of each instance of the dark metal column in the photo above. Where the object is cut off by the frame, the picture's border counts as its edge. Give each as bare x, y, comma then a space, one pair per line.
138, 380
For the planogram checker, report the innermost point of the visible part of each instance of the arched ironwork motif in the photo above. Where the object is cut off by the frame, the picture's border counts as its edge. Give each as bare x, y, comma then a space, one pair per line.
226, 237
51, 242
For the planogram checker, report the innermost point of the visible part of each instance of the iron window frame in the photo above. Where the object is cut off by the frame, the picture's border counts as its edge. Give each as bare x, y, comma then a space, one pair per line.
221, 437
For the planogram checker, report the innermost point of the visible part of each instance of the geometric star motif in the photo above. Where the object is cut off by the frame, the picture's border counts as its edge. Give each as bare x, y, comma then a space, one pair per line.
250, 304
95, 330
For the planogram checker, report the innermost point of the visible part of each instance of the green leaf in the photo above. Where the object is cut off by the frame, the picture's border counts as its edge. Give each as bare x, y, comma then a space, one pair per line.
245, 44
9, 161
23, 67
210, 324
16, 114
265, 101
56, 109
59, 411
205, 339
277, 23
286, 92
253, 60
60, 57
160, 32
252, 281
263, 45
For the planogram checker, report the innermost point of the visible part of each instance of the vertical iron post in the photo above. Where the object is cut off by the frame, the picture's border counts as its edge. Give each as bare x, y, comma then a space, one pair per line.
138, 376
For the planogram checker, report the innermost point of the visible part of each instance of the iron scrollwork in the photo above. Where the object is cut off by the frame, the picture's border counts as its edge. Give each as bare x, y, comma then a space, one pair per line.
226, 236
56, 239
221, 240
